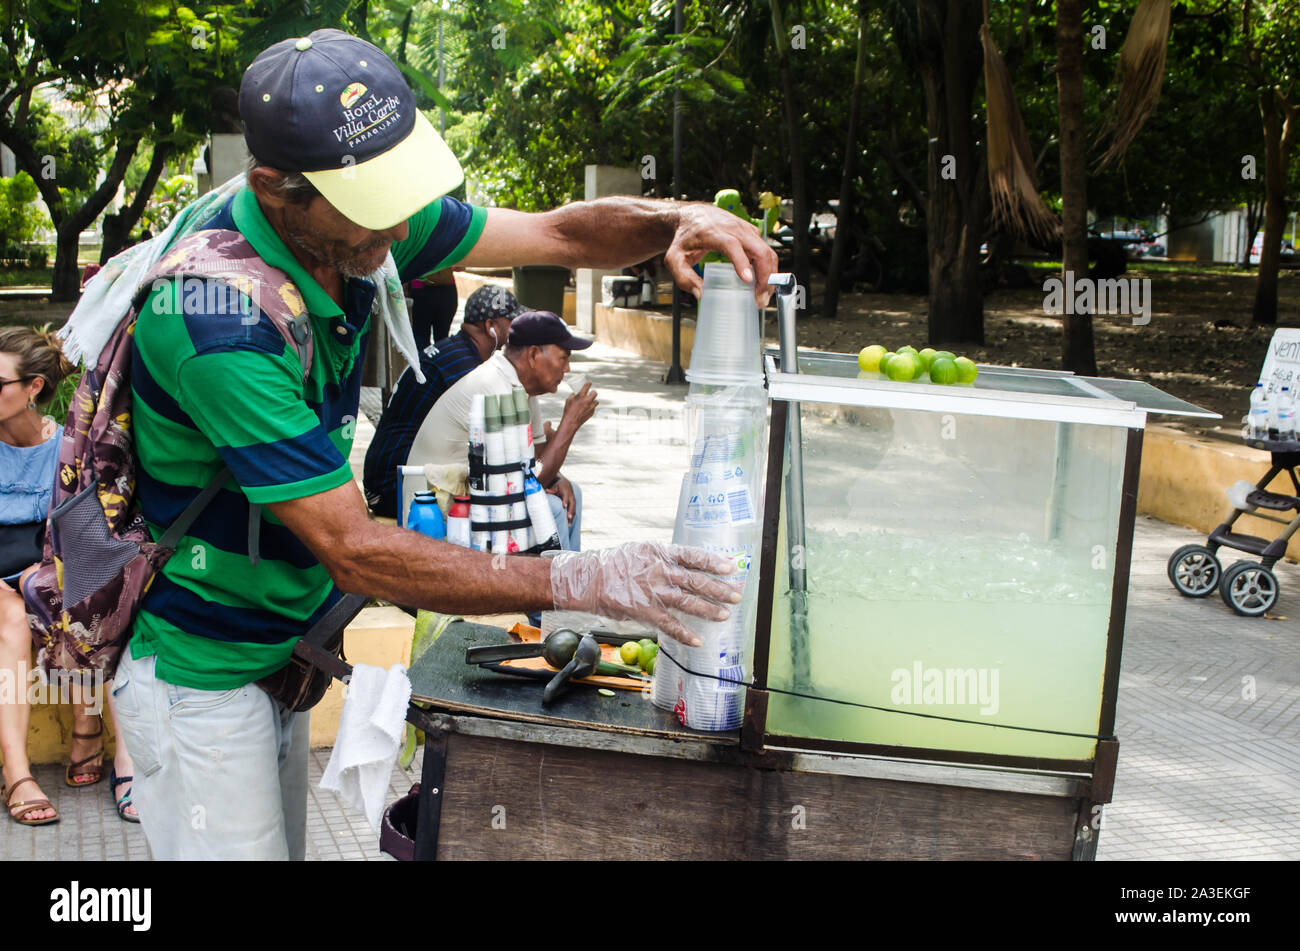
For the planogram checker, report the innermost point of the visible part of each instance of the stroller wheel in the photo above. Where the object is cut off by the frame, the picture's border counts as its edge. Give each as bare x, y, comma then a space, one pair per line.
1194, 571
1249, 588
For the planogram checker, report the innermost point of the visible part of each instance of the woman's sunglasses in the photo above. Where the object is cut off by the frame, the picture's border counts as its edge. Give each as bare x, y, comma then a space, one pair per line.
21, 379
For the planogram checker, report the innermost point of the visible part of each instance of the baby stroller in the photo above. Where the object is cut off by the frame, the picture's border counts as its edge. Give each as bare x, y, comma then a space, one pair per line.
1248, 587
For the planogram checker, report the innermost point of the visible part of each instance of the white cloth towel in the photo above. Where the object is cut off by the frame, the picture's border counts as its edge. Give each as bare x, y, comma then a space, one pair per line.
371, 731
108, 295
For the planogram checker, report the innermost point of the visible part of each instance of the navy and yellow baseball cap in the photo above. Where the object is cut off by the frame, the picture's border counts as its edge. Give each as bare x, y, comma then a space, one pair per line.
335, 108
537, 328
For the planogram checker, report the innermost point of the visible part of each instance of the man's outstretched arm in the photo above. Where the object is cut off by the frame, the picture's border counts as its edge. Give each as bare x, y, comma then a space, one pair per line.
639, 580
618, 231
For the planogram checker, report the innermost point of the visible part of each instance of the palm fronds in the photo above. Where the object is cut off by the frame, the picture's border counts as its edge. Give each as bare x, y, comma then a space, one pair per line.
1140, 75
1013, 184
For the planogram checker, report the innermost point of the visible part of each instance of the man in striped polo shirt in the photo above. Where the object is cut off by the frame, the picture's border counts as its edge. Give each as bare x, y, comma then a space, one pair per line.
345, 170
484, 328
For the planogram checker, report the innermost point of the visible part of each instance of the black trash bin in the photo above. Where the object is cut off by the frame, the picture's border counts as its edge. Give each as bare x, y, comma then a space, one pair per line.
541, 287
397, 830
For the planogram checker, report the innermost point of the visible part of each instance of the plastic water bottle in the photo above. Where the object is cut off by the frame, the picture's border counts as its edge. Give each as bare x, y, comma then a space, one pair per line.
545, 532
1258, 412
425, 517
1286, 415
458, 532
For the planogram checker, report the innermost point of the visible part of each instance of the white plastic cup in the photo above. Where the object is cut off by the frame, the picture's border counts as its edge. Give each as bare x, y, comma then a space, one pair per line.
726, 348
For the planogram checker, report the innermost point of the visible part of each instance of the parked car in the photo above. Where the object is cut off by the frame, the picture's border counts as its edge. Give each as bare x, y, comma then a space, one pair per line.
1257, 248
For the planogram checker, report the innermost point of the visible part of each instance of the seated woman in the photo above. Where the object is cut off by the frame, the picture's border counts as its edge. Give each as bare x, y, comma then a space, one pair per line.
31, 367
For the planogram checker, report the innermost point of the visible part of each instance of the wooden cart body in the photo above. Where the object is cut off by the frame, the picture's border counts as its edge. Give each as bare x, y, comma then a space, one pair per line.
601, 778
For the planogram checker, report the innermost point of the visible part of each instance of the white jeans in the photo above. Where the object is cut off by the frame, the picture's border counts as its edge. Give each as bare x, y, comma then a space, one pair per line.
219, 774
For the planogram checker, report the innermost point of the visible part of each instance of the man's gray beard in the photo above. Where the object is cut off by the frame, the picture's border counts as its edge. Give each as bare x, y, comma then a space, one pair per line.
347, 267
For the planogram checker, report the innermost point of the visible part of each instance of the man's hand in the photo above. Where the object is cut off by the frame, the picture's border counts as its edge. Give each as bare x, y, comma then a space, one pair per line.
564, 489
703, 228
578, 408
645, 581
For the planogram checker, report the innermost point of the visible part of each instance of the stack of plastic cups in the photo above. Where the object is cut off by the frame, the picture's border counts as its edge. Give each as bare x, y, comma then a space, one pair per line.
720, 508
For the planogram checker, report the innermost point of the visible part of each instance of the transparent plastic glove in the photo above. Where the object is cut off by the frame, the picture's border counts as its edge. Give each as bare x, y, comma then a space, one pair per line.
645, 581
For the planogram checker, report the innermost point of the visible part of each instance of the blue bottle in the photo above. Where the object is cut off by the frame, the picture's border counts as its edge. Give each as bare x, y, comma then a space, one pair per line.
425, 516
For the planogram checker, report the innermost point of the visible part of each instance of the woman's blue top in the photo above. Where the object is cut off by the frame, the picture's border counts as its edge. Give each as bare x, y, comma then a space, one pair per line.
27, 480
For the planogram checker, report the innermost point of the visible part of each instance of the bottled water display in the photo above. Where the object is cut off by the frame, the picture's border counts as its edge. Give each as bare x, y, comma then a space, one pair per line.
1259, 415
720, 507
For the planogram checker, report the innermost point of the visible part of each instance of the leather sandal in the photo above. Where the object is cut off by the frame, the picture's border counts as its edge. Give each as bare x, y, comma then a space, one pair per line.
79, 768
122, 804
27, 806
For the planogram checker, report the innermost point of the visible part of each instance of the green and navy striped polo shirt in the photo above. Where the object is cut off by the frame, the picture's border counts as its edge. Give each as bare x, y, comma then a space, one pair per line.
213, 388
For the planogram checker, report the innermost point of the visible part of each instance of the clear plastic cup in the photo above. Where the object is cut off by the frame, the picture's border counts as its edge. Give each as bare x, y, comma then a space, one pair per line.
726, 348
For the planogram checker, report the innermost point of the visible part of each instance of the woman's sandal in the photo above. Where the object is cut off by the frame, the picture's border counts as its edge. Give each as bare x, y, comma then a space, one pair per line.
27, 806
123, 803
79, 768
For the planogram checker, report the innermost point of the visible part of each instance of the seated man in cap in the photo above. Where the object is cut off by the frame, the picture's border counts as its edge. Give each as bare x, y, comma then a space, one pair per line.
536, 357
488, 313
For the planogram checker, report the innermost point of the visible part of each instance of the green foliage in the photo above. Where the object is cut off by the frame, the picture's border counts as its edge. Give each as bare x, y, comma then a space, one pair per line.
62, 401
69, 154
20, 216
25, 276
169, 197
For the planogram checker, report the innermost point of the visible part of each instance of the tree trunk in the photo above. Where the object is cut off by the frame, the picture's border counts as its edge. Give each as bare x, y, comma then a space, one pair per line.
798, 164
1253, 212
1279, 130
67, 272
844, 213
129, 216
67, 280
1079, 354
957, 203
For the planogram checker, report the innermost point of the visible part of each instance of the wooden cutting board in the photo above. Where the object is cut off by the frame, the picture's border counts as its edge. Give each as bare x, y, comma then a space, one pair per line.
526, 633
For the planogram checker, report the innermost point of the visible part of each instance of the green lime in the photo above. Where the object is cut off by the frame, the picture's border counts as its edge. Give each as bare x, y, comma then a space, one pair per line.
943, 371
902, 368
927, 356
966, 370
883, 366
649, 650
869, 358
920, 367
630, 652
908, 348
943, 353
650, 667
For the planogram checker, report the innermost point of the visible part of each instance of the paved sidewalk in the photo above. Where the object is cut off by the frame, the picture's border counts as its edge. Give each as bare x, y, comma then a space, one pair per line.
1204, 772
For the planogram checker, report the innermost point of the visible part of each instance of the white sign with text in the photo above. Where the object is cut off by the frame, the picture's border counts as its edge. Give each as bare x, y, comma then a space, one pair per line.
1282, 364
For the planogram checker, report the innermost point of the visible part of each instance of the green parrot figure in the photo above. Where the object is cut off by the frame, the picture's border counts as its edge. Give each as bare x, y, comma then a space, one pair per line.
728, 199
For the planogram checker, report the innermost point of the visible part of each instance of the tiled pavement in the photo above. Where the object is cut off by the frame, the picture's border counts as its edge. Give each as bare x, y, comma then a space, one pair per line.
1209, 703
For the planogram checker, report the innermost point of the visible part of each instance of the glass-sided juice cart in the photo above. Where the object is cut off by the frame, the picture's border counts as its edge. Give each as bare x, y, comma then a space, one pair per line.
941, 603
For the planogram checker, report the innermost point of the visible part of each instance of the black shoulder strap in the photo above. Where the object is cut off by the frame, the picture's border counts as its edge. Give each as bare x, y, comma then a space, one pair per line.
176, 531
309, 646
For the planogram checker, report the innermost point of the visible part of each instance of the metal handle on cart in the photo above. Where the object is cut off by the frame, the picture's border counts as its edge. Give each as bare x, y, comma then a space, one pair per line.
786, 286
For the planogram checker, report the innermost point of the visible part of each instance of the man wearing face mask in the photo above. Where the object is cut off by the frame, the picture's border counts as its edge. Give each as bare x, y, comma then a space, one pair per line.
488, 313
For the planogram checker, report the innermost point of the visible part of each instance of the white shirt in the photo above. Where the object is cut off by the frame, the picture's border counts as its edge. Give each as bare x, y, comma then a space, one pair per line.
443, 439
